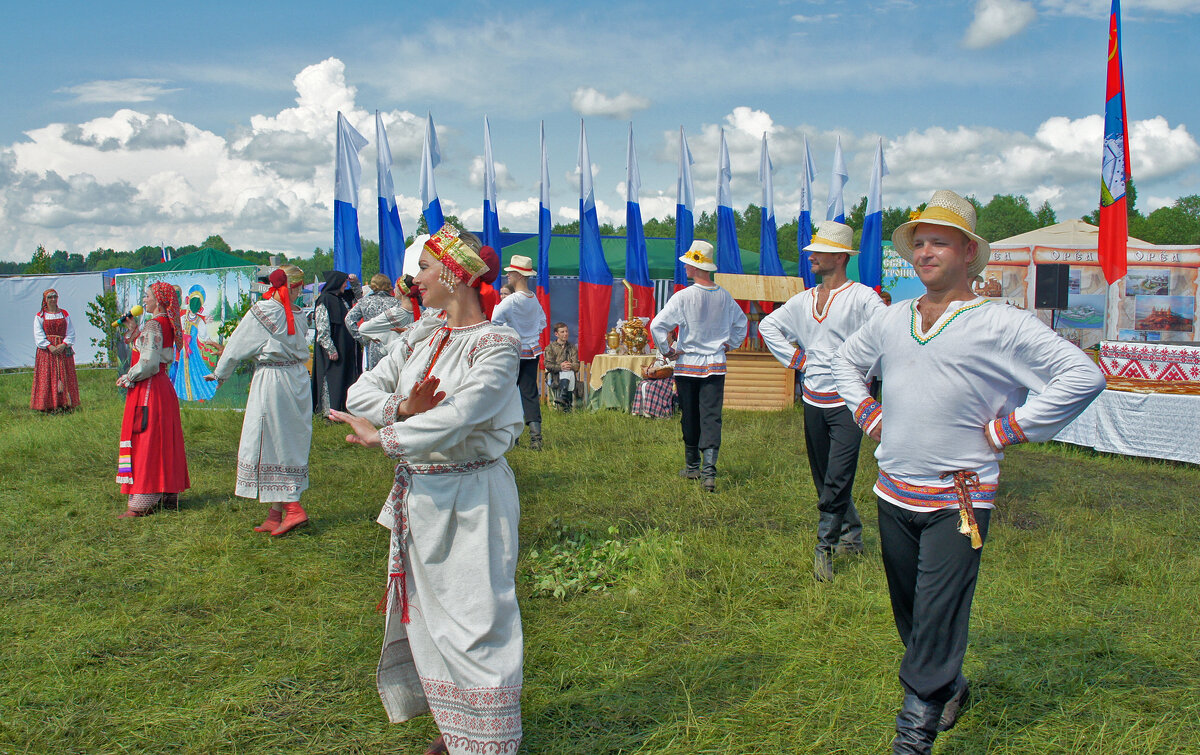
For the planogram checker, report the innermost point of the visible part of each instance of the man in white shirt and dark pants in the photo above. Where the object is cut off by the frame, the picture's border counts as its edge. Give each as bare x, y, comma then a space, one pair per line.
963, 377
522, 312
803, 334
710, 323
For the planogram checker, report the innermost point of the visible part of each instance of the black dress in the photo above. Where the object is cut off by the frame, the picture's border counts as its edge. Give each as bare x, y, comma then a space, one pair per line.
332, 379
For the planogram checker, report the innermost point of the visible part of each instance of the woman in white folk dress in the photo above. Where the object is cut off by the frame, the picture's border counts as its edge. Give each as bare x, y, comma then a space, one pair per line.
277, 427
446, 404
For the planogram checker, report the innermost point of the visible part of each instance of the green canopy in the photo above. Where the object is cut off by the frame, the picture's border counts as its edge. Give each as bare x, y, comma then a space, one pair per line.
204, 259
564, 256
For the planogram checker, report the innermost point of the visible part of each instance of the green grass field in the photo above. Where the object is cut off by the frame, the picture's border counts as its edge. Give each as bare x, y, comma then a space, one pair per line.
188, 633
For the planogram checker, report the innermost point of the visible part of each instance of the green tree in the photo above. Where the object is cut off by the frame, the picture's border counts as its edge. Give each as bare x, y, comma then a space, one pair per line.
1006, 215
101, 313
216, 242
1045, 215
1177, 224
39, 263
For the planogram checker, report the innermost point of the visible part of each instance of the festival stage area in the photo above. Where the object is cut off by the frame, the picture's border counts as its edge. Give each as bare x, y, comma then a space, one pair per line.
185, 632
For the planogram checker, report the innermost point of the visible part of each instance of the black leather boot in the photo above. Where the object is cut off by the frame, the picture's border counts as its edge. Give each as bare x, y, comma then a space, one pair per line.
708, 469
850, 542
691, 463
916, 727
535, 436
829, 527
566, 396
956, 704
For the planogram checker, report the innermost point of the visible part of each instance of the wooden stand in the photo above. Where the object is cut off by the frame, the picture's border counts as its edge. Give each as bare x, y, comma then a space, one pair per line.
755, 379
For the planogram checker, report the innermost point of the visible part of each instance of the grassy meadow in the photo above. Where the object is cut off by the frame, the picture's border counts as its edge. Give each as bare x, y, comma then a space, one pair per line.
693, 627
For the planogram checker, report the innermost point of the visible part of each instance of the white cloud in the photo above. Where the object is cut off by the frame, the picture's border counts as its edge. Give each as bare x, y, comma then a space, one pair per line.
587, 101
119, 90
503, 179
800, 18
997, 20
1101, 8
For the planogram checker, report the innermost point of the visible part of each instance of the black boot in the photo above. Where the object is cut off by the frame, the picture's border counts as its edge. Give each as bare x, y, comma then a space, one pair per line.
956, 704
850, 542
566, 396
708, 469
828, 530
691, 463
535, 436
916, 727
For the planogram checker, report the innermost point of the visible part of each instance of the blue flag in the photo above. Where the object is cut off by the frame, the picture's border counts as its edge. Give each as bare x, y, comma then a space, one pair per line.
768, 249
347, 246
637, 263
431, 155
544, 226
729, 257
391, 234
804, 234
595, 279
870, 258
491, 221
836, 209
684, 207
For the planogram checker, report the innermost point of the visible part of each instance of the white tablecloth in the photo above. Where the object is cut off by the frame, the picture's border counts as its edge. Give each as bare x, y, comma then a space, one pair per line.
1156, 425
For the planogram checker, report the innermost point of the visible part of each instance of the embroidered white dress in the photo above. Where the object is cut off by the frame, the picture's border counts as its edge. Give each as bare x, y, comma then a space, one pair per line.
803, 337
453, 513
277, 427
380, 330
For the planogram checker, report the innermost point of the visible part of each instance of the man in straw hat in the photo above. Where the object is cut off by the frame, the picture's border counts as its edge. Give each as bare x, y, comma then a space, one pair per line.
522, 312
803, 334
710, 323
963, 377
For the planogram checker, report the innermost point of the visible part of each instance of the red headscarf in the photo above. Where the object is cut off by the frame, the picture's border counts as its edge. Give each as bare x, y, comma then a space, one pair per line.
168, 304
46, 293
279, 285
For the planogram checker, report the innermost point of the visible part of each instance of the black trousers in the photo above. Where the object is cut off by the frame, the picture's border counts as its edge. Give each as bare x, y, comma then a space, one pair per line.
527, 385
700, 400
931, 571
833, 439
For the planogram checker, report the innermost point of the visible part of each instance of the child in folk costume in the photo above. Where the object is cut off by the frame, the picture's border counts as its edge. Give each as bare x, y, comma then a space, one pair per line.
803, 334
277, 426
448, 410
962, 379
152, 463
55, 386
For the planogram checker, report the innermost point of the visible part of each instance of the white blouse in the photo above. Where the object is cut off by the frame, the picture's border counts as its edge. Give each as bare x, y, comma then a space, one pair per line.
710, 323
39, 331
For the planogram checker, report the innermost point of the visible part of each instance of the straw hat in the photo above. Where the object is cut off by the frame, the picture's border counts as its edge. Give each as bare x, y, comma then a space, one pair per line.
832, 236
700, 256
521, 264
950, 210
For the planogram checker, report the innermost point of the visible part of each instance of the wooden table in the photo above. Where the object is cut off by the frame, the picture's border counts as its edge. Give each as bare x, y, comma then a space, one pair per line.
602, 363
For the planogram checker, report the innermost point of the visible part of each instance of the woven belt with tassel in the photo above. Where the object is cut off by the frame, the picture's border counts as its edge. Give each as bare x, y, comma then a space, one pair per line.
964, 480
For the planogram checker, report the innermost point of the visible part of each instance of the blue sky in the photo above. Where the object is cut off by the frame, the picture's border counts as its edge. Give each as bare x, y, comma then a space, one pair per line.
156, 122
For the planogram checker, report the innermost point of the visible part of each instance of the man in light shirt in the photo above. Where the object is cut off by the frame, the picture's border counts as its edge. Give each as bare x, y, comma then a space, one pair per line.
710, 323
963, 377
522, 312
803, 334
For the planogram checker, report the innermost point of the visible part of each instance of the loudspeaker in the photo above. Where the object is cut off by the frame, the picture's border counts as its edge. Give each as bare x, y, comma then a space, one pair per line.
1050, 288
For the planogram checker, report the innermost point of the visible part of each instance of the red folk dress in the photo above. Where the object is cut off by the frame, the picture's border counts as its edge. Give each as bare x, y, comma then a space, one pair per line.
54, 383
152, 457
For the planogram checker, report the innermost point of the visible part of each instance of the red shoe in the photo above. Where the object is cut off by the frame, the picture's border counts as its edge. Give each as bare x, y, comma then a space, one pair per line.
438, 746
274, 517
295, 516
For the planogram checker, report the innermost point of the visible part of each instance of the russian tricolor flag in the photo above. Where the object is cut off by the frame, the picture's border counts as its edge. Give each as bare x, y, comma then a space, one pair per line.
544, 226
431, 155
391, 234
347, 246
836, 209
729, 257
685, 204
1114, 218
595, 279
637, 263
804, 234
768, 249
870, 258
491, 221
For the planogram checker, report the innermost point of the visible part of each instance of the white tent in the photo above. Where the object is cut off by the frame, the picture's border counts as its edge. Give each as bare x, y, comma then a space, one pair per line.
21, 298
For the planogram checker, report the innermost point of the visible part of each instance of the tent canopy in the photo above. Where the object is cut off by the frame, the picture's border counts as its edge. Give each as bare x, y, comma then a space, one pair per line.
204, 259
564, 255
1069, 233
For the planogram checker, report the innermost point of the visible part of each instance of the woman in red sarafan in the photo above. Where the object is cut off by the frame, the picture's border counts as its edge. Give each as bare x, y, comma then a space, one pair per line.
54, 384
152, 465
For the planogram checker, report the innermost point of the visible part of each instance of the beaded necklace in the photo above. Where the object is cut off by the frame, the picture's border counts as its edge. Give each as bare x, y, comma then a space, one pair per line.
912, 328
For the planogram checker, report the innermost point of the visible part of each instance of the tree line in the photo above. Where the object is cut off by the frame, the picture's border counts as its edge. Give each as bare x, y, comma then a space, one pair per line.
1002, 216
